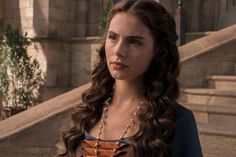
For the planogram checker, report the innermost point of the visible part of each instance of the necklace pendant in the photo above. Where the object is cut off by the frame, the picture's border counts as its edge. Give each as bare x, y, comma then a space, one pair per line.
117, 143
96, 152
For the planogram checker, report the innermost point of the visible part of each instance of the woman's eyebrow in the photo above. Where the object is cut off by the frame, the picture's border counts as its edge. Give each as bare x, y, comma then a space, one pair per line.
113, 33
136, 37
129, 37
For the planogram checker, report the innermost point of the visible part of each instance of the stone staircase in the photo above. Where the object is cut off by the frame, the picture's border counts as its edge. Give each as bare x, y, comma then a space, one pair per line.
215, 111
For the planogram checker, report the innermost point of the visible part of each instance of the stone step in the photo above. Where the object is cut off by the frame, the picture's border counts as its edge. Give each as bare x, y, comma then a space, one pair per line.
219, 153
218, 115
215, 137
222, 82
208, 97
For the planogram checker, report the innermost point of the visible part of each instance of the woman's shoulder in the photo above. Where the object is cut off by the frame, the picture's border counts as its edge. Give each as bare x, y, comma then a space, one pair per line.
185, 123
186, 141
183, 116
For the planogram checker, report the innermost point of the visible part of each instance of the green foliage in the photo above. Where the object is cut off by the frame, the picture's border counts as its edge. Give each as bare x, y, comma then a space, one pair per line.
20, 75
103, 18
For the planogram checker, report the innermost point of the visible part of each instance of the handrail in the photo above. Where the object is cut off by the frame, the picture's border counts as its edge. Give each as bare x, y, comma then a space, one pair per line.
41, 112
207, 43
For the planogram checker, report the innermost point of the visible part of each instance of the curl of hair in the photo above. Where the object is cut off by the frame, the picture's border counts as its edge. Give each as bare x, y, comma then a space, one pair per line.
160, 86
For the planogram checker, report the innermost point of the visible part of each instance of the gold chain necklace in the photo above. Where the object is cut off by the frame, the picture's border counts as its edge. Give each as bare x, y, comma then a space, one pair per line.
102, 125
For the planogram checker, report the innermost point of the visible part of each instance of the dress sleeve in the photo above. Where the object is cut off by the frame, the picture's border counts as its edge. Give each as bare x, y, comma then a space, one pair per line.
186, 140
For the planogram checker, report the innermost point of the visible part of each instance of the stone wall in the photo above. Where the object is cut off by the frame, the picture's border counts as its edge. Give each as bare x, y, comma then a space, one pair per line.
62, 18
202, 15
67, 63
54, 58
82, 18
1, 18
37, 141
227, 14
11, 13
40, 18
221, 62
83, 57
95, 8
205, 15
88, 15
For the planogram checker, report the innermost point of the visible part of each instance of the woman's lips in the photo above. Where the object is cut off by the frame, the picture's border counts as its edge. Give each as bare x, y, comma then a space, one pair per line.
118, 66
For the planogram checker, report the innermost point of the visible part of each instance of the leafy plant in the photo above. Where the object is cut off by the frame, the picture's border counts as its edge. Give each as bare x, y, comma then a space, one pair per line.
20, 75
103, 18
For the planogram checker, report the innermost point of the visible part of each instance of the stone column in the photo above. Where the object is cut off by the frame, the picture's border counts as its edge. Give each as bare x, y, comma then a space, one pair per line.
82, 18
62, 18
40, 17
180, 18
195, 15
227, 14
94, 17
26, 9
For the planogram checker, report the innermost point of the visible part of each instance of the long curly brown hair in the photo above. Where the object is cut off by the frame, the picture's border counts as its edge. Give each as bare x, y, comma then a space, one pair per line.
161, 89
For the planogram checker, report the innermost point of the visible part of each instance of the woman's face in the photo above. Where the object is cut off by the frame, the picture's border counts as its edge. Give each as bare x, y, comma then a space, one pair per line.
129, 47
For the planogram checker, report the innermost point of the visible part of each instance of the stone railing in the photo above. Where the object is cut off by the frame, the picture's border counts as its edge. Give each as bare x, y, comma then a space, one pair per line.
212, 54
35, 132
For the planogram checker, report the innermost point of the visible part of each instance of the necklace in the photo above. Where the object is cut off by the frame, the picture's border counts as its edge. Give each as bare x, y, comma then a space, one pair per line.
102, 125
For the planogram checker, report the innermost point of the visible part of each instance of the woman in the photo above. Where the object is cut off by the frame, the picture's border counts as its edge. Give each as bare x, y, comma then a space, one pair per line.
131, 108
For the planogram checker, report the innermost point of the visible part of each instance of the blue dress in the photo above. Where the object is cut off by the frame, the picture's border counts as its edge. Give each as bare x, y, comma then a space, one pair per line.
186, 140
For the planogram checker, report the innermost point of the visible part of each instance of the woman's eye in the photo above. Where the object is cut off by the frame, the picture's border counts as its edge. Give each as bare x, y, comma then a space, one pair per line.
112, 37
134, 42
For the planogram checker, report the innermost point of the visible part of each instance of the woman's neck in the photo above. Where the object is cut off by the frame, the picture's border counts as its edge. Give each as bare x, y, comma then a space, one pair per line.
126, 92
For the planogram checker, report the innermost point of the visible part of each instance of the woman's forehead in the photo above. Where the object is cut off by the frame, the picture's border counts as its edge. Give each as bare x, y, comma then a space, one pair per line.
128, 24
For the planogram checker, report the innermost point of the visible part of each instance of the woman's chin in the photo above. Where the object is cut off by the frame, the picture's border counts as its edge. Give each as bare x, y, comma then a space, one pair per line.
119, 77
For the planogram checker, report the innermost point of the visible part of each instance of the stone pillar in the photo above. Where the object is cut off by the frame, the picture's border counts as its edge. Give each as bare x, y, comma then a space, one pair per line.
53, 21
62, 18
40, 17
29, 16
88, 17
82, 17
94, 17
180, 23
227, 14
54, 18
26, 9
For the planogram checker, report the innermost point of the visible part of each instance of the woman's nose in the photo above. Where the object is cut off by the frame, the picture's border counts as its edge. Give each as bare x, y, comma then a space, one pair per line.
120, 49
